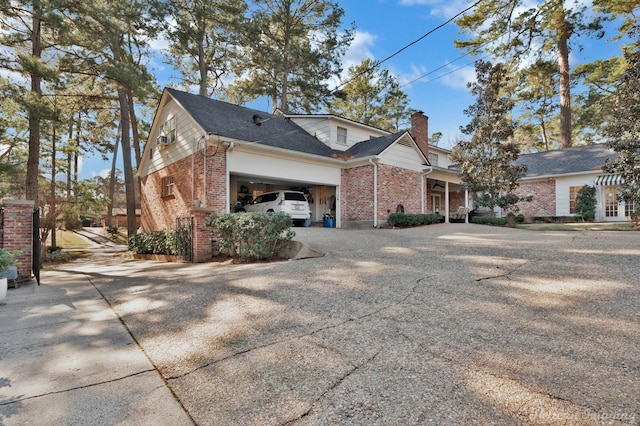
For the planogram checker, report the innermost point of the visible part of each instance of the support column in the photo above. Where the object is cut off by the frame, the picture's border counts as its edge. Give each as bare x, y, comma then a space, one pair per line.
446, 202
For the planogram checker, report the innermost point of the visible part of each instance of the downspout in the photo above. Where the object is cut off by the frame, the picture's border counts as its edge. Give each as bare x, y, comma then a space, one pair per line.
204, 182
228, 176
423, 183
375, 192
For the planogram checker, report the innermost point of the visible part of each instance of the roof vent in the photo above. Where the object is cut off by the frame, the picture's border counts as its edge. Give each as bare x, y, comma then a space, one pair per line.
257, 119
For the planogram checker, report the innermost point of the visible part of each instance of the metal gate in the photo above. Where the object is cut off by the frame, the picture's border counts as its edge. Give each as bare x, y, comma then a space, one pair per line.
184, 238
35, 250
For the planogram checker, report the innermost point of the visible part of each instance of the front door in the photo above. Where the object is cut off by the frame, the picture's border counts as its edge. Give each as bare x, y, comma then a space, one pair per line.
436, 204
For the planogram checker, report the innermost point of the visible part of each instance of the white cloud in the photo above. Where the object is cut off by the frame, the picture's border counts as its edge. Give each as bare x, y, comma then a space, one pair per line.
457, 76
359, 49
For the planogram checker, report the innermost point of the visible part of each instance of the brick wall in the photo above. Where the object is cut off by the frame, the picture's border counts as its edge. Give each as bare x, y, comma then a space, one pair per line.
398, 186
543, 202
17, 224
395, 186
356, 195
160, 213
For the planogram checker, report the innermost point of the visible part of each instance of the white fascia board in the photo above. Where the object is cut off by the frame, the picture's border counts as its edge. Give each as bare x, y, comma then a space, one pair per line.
280, 152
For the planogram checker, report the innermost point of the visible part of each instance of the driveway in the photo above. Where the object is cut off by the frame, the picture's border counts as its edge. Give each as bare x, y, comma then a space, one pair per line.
443, 324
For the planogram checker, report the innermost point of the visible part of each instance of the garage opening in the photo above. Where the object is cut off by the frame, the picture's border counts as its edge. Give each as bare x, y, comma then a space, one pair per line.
322, 199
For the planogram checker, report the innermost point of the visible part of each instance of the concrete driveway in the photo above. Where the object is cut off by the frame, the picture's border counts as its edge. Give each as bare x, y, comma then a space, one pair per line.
443, 324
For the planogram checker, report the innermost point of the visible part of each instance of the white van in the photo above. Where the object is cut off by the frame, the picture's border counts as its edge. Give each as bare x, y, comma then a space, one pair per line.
293, 203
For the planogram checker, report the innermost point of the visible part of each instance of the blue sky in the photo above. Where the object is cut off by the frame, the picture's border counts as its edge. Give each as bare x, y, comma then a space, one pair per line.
385, 26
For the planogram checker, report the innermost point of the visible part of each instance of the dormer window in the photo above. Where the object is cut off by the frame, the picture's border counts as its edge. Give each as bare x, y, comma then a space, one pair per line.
342, 135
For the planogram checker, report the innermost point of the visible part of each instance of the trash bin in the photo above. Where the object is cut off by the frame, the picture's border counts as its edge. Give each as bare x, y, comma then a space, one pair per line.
328, 221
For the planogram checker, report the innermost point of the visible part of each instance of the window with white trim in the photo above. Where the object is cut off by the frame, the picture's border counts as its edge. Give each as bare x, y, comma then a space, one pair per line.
573, 197
342, 135
167, 186
433, 159
168, 129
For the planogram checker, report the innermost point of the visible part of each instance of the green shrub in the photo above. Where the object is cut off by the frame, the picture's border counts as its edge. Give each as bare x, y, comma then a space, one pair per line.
554, 219
402, 220
495, 221
154, 242
586, 203
252, 236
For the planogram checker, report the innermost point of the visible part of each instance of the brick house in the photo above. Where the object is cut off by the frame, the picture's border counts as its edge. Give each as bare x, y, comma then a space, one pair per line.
205, 156
554, 178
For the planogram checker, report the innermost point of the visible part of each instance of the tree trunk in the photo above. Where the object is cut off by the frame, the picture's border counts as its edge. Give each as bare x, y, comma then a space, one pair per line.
126, 163
136, 142
52, 201
33, 162
565, 82
114, 177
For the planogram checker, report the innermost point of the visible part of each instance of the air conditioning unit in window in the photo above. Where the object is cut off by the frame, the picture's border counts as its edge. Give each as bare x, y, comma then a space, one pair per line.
162, 140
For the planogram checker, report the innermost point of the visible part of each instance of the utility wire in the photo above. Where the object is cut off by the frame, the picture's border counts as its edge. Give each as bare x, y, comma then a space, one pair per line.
405, 47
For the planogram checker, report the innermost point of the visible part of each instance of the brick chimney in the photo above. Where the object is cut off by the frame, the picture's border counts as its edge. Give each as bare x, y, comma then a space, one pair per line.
420, 131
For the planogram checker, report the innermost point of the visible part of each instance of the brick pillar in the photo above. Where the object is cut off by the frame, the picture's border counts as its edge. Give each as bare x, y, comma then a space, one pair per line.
420, 131
202, 235
18, 232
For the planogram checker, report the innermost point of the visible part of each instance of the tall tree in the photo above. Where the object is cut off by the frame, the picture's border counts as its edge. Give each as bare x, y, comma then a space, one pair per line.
536, 92
487, 160
623, 133
29, 31
512, 29
292, 49
205, 40
596, 104
110, 36
373, 98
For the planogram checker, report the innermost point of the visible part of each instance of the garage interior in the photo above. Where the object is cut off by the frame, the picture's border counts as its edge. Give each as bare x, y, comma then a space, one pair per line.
321, 198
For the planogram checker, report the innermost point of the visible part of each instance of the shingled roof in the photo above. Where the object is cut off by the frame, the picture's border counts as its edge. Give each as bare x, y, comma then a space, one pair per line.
373, 146
566, 161
246, 124
251, 125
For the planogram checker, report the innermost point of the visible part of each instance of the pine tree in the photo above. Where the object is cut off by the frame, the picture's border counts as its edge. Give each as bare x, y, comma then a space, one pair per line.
511, 29
205, 41
371, 96
292, 48
487, 161
623, 133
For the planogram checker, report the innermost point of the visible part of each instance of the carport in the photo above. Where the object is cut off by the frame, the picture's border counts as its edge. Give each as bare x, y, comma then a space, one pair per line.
251, 173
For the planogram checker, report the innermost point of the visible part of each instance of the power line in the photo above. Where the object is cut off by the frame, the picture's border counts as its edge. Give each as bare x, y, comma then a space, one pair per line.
405, 47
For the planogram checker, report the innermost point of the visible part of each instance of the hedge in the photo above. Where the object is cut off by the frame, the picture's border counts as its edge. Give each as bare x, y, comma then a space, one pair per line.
252, 236
401, 220
495, 221
154, 242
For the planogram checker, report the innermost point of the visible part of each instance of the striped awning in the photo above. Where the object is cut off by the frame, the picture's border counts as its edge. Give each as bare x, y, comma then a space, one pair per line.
609, 180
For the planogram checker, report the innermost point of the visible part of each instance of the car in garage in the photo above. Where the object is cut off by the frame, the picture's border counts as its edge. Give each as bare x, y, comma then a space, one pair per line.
293, 203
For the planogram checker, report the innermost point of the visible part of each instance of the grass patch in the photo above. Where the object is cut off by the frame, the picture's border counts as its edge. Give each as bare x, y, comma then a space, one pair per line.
68, 239
579, 226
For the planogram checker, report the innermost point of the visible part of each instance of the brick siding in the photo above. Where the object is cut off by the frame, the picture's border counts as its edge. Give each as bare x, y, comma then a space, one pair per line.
17, 232
398, 186
395, 186
160, 213
543, 202
356, 194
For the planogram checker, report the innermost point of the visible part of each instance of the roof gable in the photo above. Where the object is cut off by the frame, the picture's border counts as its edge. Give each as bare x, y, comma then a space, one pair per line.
377, 146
